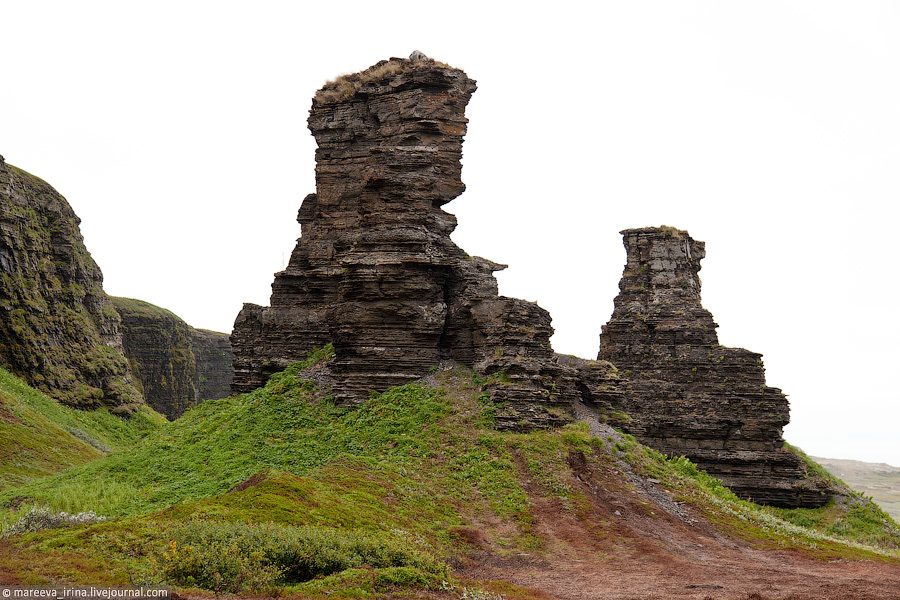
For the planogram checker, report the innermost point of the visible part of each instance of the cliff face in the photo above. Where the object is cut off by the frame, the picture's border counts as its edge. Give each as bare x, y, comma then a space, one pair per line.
689, 395
58, 329
214, 360
176, 365
375, 271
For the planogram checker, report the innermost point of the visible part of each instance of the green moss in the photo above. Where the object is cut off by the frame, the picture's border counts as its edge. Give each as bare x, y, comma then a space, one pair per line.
159, 347
52, 338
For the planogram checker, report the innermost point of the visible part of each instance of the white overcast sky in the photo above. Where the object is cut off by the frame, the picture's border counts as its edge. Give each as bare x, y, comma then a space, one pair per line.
768, 129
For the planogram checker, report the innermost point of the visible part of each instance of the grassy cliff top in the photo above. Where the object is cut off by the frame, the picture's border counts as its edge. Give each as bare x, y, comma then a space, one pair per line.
140, 308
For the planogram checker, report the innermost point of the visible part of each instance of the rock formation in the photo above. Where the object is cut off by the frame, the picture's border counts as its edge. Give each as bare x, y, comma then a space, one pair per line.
215, 364
376, 274
58, 329
176, 365
375, 271
687, 394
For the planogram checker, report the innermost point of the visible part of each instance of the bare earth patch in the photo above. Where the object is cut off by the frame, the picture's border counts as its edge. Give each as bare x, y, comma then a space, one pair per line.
625, 545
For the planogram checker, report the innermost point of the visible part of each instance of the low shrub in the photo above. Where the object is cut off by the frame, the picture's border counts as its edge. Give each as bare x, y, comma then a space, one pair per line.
38, 518
233, 557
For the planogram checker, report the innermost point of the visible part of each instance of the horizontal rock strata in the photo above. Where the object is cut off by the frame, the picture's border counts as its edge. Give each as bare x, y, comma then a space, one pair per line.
58, 329
214, 360
175, 365
687, 394
375, 271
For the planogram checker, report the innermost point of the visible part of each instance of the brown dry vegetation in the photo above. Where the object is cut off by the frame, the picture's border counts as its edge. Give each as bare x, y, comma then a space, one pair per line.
345, 86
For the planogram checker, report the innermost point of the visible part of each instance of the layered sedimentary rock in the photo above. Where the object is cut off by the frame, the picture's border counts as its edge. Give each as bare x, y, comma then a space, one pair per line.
375, 271
58, 329
176, 366
214, 360
688, 395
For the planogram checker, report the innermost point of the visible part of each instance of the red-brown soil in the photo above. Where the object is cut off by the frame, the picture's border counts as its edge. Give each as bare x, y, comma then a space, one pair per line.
627, 545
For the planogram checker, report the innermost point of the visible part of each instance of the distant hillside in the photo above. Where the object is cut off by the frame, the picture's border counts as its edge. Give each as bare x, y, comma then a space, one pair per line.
61, 332
39, 436
878, 480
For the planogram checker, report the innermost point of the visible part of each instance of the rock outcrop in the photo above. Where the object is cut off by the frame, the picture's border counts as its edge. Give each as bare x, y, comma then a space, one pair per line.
176, 366
687, 395
58, 329
375, 271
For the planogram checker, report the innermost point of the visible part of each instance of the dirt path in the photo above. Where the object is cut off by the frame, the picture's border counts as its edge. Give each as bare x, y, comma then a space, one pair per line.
635, 542
734, 576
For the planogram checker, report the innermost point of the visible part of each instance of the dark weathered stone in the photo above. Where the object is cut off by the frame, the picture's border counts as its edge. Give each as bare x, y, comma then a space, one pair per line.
598, 384
58, 329
176, 365
214, 360
687, 394
375, 271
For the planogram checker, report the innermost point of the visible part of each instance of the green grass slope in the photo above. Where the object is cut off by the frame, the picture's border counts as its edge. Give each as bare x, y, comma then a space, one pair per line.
39, 436
280, 489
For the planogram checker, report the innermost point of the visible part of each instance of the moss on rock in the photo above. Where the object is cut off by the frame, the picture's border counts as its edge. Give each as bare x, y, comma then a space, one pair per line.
58, 329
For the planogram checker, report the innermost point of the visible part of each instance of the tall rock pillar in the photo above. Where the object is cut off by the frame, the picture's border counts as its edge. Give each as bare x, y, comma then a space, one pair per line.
375, 271
689, 395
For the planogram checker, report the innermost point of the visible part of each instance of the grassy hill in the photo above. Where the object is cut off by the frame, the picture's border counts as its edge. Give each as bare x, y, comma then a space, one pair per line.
39, 436
412, 494
879, 480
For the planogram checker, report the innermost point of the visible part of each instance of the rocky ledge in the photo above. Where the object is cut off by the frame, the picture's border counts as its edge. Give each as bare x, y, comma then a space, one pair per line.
375, 271
687, 395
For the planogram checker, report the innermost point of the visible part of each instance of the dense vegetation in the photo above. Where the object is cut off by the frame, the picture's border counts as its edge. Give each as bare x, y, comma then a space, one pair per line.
279, 488
58, 322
